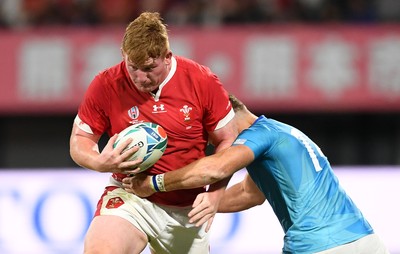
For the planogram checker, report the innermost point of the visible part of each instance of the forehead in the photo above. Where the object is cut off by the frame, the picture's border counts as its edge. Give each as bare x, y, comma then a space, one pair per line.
149, 62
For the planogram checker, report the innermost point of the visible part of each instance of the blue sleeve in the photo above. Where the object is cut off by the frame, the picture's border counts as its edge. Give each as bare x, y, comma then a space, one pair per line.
259, 137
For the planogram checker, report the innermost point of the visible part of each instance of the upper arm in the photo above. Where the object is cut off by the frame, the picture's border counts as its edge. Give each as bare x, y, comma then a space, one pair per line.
78, 132
82, 142
81, 129
224, 136
241, 196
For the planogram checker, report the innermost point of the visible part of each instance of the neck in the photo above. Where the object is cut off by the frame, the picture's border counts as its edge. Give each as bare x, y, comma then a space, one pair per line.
244, 119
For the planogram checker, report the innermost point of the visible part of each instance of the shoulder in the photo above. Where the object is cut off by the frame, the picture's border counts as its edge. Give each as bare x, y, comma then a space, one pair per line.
109, 77
270, 125
112, 73
199, 76
187, 64
263, 130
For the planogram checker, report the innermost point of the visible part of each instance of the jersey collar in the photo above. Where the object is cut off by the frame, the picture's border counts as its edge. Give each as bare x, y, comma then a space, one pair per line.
169, 76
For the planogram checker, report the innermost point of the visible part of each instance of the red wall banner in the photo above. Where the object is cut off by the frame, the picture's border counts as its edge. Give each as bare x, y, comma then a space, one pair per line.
273, 68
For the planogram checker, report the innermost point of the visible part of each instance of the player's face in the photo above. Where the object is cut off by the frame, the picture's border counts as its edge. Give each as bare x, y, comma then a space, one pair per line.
151, 74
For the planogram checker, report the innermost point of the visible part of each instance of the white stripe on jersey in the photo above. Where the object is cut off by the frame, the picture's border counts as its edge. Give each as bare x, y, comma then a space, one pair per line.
83, 126
225, 120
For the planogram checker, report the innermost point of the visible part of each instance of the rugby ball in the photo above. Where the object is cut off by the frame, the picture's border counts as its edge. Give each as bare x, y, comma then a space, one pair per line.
150, 137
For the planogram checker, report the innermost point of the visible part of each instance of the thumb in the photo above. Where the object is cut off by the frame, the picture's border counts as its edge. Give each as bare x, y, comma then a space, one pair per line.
112, 140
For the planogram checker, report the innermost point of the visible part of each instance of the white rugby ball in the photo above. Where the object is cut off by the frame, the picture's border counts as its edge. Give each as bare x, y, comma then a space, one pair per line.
150, 137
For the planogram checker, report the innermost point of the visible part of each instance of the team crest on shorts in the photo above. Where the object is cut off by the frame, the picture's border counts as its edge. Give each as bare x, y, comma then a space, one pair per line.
114, 202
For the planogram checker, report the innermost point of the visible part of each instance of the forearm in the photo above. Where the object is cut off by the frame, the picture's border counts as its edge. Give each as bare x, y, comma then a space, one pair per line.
220, 186
85, 156
86, 161
241, 196
209, 170
235, 199
194, 175
217, 190
84, 149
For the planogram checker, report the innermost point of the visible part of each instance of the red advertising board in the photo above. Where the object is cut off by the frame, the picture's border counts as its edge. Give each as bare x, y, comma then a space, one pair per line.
273, 68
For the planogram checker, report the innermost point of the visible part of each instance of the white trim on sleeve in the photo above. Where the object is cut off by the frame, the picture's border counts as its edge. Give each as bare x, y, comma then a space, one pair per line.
83, 126
225, 120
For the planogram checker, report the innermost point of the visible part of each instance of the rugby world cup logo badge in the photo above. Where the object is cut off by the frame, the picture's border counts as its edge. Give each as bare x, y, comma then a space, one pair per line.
133, 112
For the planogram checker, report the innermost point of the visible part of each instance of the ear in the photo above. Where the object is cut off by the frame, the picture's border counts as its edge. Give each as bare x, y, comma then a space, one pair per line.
168, 57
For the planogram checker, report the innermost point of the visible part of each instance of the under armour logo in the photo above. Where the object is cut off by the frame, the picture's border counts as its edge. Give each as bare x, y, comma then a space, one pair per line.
158, 109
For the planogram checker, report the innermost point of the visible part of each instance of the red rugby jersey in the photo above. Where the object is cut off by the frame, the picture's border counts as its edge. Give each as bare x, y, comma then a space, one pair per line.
188, 104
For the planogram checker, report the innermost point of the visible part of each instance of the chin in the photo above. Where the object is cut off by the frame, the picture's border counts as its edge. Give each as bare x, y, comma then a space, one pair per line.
147, 89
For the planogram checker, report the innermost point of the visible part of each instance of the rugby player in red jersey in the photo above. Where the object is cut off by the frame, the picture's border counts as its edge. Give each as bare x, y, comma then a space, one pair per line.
189, 102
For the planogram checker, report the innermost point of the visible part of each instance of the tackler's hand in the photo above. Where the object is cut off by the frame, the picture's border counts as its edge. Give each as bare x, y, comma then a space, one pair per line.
138, 184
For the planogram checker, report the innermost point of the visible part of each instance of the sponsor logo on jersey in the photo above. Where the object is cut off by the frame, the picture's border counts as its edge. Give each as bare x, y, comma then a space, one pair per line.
159, 109
186, 112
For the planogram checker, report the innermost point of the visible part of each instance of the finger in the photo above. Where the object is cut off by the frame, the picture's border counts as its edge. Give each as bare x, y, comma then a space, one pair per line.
122, 147
195, 211
133, 169
110, 143
202, 220
198, 212
209, 223
198, 200
113, 139
130, 166
126, 180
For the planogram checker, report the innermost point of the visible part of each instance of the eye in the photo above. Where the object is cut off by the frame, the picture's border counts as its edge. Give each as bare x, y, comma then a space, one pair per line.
132, 68
148, 69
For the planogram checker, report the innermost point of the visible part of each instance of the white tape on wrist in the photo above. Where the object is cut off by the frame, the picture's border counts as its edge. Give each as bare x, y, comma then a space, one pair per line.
158, 183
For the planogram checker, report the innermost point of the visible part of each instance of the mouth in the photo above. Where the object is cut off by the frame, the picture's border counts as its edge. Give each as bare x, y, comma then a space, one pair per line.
147, 87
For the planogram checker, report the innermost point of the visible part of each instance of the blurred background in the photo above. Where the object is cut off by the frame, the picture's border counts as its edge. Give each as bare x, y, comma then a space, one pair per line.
329, 67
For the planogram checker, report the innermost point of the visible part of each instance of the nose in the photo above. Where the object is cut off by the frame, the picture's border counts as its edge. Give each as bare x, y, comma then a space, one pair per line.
140, 76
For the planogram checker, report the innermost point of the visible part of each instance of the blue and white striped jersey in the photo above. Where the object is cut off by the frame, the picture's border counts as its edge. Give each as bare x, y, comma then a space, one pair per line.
300, 185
